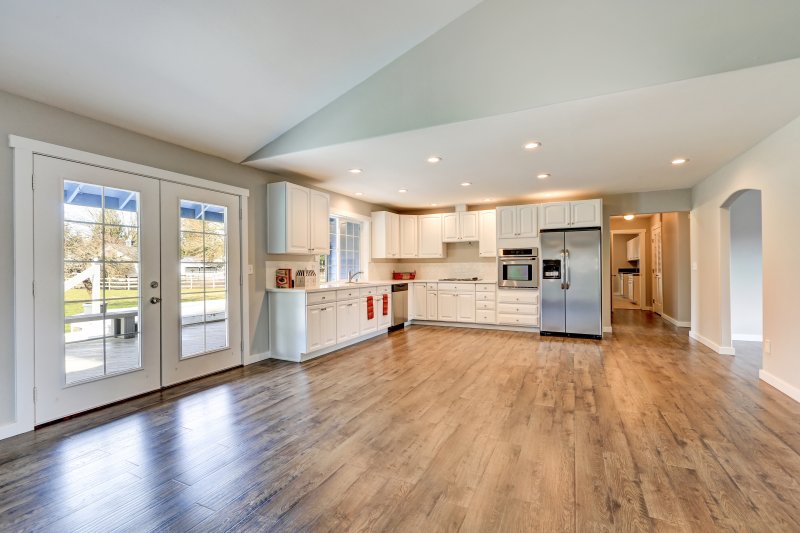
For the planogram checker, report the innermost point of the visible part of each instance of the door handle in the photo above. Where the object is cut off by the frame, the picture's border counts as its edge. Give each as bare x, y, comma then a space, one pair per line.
567, 273
563, 271
155, 300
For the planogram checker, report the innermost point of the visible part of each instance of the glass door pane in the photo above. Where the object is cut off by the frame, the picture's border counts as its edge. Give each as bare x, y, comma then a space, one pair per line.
101, 262
203, 278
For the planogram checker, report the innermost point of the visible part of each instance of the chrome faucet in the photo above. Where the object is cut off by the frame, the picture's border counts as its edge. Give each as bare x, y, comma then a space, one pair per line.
353, 276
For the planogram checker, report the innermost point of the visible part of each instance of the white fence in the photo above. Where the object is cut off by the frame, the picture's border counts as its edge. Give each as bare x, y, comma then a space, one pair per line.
214, 281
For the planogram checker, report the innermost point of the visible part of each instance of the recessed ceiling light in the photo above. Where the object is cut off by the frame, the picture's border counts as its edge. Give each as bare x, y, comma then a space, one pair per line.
402, 190
356, 170
359, 194
533, 145
542, 176
680, 161
434, 159
629, 217
434, 205
487, 199
465, 184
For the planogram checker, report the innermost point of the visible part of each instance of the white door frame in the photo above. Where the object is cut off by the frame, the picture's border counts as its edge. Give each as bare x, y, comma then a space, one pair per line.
642, 262
24, 346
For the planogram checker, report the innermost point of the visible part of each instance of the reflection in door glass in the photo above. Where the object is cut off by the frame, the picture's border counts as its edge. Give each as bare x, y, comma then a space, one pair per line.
204, 280
101, 281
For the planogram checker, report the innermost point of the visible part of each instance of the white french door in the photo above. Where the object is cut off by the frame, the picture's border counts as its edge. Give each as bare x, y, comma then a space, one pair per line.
200, 275
132, 287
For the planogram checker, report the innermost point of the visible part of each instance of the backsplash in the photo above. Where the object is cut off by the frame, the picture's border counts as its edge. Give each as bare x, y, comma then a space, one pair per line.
310, 264
427, 270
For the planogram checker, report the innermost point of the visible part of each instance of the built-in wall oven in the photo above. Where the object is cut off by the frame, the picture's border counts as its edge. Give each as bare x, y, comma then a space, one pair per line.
518, 268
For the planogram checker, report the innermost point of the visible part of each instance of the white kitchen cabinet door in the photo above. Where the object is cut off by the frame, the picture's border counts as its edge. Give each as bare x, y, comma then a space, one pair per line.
319, 222
430, 236
409, 247
419, 300
433, 306
384, 321
487, 233
450, 228
385, 235
554, 215
328, 325
468, 225
506, 222
465, 309
527, 221
586, 213
366, 324
297, 219
448, 307
346, 321
313, 328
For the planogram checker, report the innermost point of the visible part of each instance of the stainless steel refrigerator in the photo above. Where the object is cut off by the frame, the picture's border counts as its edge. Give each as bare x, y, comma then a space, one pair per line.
571, 287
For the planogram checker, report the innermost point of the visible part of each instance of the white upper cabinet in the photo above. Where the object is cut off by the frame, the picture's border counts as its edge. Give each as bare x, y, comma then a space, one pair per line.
430, 236
633, 249
450, 227
517, 221
461, 226
385, 235
409, 247
297, 219
579, 214
487, 233
319, 220
586, 213
554, 215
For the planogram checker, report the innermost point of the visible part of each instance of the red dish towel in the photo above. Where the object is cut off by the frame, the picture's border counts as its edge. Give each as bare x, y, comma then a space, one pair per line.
370, 308
385, 304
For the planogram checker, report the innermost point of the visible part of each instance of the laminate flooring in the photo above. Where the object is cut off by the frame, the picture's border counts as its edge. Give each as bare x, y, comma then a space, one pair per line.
432, 429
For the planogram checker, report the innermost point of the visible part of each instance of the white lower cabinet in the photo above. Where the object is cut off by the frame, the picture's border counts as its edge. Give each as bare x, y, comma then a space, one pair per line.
485, 303
432, 296
419, 302
384, 321
518, 307
448, 306
320, 326
466, 307
347, 325
367, 324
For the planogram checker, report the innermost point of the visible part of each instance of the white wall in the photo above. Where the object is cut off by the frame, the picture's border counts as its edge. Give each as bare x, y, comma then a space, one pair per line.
773, 167
746, 293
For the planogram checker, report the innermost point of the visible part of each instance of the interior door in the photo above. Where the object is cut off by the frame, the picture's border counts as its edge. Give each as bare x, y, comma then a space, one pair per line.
96, 247
657, 269
201, 282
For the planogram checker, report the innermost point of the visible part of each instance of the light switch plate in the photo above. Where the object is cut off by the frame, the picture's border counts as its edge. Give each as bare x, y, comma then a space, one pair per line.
767, 346
251, 269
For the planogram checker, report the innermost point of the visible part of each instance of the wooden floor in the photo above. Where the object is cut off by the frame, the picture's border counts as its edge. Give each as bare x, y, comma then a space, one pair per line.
432, 429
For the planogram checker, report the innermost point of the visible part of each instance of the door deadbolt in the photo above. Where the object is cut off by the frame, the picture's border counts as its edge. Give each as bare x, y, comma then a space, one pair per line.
154, 284
155, 300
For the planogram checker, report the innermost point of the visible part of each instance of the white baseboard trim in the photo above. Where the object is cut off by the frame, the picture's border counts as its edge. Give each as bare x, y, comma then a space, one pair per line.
255, 358
676, 322
747, 337
789, 390
722, 350
608, 329
14, 428
475, 325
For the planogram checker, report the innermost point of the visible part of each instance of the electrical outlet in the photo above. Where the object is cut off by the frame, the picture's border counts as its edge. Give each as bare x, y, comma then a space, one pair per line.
767, 346
251, 269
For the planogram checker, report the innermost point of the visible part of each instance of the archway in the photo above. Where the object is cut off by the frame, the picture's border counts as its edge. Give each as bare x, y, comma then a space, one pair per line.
741, 272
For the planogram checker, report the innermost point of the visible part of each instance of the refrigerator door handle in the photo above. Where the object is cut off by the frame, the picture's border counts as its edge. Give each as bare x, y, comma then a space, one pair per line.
566, 270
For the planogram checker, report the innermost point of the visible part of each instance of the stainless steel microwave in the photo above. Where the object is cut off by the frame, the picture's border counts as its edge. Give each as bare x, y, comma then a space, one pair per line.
518, 268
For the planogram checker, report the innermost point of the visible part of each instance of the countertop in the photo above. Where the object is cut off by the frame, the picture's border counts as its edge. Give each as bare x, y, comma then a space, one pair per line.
364, 284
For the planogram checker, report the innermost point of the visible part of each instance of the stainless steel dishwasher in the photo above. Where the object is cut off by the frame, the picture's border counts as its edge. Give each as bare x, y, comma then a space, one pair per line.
399, 306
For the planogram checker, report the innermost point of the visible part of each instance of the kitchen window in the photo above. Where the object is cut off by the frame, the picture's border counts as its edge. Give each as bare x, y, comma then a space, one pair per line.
348, 238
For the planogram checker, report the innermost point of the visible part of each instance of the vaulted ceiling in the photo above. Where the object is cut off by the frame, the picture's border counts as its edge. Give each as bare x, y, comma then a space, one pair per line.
613, 89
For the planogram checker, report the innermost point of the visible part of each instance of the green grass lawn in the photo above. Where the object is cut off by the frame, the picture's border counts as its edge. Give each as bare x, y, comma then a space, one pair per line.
126, 299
